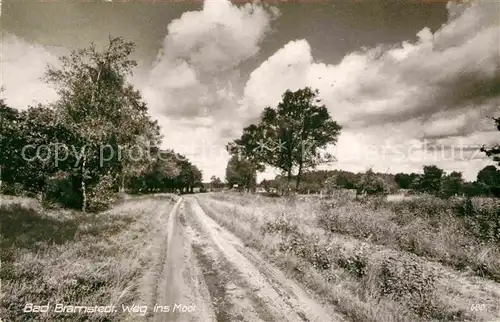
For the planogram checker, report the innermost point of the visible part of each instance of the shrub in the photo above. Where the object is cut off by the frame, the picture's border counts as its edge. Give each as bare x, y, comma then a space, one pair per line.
355, 263
102, 194
62, 190
12, 189
425, 206
320, 258
280, 225
372, 184
403, 280
309, 249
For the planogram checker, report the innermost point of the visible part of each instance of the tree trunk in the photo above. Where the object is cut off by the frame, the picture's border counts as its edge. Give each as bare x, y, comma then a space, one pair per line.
122, 183
84, 188
40, 198
298, 176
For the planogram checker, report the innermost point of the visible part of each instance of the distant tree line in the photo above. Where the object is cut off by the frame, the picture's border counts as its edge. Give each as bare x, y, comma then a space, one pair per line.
432, 181
292, 138
94, 141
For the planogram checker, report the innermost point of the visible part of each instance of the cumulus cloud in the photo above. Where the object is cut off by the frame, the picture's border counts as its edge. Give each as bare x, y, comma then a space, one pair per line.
22, 64
195, 69
440, 87
390, 99
452, 69
191, 87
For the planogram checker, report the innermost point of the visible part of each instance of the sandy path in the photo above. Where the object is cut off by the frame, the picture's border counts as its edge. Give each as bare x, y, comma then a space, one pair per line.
181, 293
208, 275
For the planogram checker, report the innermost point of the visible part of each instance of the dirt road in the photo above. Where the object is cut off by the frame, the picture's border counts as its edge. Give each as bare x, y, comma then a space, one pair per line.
205, 273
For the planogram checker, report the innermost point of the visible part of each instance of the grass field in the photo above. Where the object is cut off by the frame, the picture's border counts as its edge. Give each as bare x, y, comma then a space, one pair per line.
423, 259
417, 259
75, 259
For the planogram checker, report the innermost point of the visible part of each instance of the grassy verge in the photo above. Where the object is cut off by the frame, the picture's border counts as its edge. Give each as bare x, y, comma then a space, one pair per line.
438, 230
367, 282
70, 258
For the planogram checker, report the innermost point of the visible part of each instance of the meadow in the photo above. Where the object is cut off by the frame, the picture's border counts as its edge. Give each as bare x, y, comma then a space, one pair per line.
416, 259
71, 258
373, 259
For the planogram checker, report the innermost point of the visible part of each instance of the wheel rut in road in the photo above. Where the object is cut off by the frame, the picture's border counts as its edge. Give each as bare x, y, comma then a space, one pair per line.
207, 274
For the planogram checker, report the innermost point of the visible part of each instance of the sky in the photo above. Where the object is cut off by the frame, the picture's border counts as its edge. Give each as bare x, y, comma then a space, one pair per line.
412, 83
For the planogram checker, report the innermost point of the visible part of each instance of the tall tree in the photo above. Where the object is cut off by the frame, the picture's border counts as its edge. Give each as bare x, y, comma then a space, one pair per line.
43, 134
489, 179
404, 180
189, 175
215, 182
98, 104
431, 179
291, 137
163, 171
452, 184
242, 172
489, 175
11, 144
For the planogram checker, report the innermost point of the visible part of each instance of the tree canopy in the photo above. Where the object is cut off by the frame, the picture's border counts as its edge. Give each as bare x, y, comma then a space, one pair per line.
242, 172
96, 139
290, 137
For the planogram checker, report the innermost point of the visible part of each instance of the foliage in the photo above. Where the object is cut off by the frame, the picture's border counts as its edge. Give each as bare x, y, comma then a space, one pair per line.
406, 281
494, 151
405, 180
72, 152
431, 179
11, 143
290, 137
474, 189
168, 171
371, 184
489, 178
451, 184
216, 182
101, 194
241, 171
94, 97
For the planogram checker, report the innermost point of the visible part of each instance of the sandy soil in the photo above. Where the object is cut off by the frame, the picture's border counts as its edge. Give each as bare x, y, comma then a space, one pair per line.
205, 273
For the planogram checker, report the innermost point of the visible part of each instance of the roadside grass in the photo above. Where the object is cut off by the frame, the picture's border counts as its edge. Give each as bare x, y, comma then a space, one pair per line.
336, 287
361, 267
68, 257
439, 230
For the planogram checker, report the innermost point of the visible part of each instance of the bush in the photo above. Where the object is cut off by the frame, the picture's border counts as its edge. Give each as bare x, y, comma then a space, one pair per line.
355, 263
425, 206
102, 194
62, 190
372, 184
279, 226
403, 280
12, 189
309, 249
483, 219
